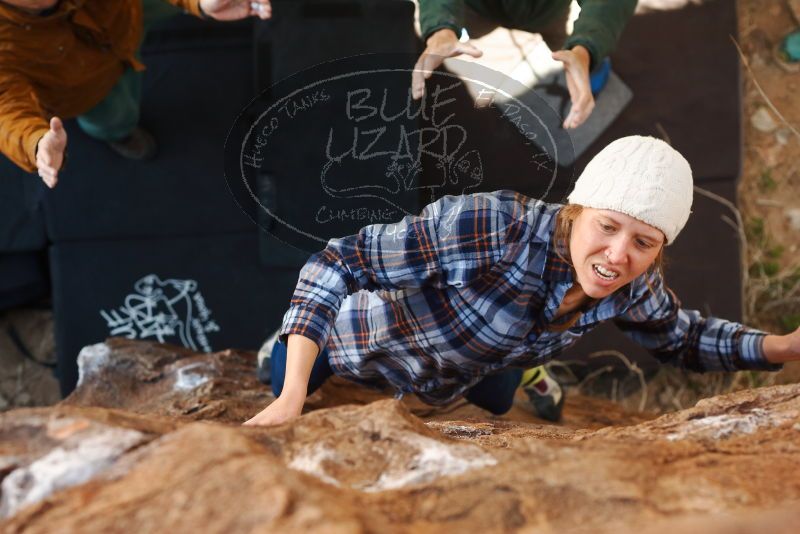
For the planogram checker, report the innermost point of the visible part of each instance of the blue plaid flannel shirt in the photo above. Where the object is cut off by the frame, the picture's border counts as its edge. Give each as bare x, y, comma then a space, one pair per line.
433, 303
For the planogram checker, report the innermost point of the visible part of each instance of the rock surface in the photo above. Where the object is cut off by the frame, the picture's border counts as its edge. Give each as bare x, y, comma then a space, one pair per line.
150, 442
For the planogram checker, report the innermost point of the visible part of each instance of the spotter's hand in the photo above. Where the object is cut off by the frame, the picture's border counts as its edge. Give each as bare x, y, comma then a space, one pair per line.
236, 9
50, 152
440, 45
576, 67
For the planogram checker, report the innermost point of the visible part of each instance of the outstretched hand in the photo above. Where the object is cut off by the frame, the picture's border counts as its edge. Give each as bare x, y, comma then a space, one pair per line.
576, 67
440, 45
793, 343
50, 152
782, 349
236, 9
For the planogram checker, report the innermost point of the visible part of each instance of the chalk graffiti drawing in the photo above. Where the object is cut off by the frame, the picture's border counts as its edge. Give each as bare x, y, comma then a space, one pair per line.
168, 310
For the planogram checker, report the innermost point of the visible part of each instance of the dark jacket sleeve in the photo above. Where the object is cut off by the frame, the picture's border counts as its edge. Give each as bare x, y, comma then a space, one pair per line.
190, 6
599, 26
438, 14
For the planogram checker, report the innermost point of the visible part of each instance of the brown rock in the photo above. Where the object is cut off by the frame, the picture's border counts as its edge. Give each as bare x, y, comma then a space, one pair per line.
793, 216
204, 478
46, 450
374, 448
26, 354
730, 464
794, 8
785, 520
150, 378
762, 121
165, 380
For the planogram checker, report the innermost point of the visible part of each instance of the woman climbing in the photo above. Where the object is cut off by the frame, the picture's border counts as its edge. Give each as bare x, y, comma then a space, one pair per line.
459, 300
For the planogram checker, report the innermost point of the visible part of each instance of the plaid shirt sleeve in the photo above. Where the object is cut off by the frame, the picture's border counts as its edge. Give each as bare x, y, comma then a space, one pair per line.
688, 340
453, 241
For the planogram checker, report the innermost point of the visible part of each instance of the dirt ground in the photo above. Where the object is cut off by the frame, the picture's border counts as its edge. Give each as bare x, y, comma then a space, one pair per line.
769, 200
769, 191
27, 353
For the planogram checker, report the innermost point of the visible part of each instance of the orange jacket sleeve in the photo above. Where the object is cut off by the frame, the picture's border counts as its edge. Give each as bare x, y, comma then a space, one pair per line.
22, 120
191, 6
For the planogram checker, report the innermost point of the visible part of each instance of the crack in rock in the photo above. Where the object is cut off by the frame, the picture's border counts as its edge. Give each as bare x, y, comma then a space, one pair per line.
463, 431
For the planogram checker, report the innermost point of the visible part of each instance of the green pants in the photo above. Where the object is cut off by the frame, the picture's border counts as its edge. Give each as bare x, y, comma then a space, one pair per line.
115, 117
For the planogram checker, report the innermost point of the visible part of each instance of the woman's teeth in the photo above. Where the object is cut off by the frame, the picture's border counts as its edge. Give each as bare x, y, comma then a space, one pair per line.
604, 273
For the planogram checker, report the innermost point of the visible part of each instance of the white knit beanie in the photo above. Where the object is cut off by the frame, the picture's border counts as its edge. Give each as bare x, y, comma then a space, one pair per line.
642, 177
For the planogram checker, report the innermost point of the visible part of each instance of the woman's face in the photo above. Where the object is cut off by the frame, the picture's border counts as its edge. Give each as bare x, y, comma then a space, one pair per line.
609, 249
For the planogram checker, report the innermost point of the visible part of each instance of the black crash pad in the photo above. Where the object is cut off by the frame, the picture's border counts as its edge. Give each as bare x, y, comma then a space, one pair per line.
199, 77
207, 293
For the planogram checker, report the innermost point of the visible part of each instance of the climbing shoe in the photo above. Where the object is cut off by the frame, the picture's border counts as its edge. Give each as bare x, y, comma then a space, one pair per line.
139, 145
544, 393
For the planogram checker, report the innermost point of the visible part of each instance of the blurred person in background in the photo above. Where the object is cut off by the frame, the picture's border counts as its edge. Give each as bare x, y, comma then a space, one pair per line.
61, 59
584, 53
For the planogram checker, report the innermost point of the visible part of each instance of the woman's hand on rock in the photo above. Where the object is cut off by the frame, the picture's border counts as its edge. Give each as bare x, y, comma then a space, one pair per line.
282, 410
